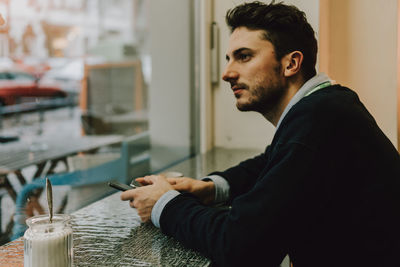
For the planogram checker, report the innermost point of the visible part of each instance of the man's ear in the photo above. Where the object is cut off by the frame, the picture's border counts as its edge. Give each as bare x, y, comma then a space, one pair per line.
292, 63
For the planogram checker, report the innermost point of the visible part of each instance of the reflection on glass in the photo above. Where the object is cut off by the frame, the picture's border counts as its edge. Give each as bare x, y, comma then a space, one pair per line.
68, 70
78, 69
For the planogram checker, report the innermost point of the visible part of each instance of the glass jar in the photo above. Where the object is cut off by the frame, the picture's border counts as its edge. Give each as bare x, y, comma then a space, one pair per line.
48, 244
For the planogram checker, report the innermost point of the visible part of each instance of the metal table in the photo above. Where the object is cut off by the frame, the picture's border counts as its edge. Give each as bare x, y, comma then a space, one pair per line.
18, 155
109, 233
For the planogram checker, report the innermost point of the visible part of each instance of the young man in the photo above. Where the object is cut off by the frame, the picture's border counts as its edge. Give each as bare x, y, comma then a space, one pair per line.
327, 189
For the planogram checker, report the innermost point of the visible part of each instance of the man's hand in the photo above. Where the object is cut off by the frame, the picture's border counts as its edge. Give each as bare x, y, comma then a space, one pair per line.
144, 198
204, 190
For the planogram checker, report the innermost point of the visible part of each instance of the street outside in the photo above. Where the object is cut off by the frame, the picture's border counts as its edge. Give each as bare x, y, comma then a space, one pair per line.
28, 127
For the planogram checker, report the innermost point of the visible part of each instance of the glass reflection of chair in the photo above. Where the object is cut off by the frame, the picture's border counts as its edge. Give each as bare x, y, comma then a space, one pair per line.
127, 123
4, 235
134, 160
93, 124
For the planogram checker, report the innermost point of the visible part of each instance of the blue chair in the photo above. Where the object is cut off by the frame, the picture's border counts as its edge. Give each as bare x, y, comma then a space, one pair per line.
133, 162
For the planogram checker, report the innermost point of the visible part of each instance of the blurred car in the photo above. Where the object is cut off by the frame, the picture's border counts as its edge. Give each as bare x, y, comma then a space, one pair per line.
16, 86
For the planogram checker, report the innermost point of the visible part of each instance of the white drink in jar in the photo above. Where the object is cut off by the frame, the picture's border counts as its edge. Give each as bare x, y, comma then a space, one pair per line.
48, 244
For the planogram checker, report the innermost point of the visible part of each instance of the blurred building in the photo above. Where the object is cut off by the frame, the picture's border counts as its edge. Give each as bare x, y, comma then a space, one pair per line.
61, 28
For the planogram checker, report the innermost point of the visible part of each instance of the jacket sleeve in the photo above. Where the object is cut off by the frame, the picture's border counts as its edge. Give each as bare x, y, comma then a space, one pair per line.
259, 224
243, 176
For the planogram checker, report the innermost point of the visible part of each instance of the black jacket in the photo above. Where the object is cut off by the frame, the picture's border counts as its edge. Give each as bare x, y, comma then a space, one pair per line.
326, 192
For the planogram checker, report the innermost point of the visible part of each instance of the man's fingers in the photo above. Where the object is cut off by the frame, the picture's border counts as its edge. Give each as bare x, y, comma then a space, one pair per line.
141, 180
182, 186
173, 181
147, 180
145, 214
127, 195
151, 179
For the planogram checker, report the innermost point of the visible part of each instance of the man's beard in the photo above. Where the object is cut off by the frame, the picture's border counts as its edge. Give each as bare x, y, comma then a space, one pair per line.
266, 102
265, 99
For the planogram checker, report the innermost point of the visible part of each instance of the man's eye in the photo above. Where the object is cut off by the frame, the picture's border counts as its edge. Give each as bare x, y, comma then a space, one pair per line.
244, 57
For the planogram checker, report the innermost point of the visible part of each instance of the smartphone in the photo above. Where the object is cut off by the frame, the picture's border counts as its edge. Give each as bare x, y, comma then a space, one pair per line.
120, 186
134, 184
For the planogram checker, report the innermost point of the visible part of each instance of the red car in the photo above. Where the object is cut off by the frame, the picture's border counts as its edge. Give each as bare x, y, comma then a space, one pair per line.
18, 86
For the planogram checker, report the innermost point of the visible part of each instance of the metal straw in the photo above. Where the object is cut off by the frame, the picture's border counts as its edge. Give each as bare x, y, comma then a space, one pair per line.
49, 199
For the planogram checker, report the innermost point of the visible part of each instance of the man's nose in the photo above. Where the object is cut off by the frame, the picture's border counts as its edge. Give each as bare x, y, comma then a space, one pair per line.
229, 74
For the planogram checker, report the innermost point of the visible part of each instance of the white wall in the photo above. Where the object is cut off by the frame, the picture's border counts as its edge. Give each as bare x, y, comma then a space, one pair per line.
232, 128
363, 55
170, 86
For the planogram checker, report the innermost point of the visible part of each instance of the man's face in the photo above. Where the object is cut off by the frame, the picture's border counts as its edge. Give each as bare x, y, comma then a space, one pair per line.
256, 77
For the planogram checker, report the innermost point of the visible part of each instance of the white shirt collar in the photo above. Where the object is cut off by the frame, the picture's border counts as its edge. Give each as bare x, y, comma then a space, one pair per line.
307, 87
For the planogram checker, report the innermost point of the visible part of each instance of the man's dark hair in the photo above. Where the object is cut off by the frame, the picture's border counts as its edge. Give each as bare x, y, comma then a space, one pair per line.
285, 26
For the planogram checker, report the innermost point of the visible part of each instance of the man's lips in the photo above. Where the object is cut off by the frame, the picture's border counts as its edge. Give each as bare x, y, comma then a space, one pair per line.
237, 89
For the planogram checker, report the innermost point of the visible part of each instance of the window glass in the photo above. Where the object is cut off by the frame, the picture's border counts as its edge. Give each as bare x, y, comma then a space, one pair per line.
96, 90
